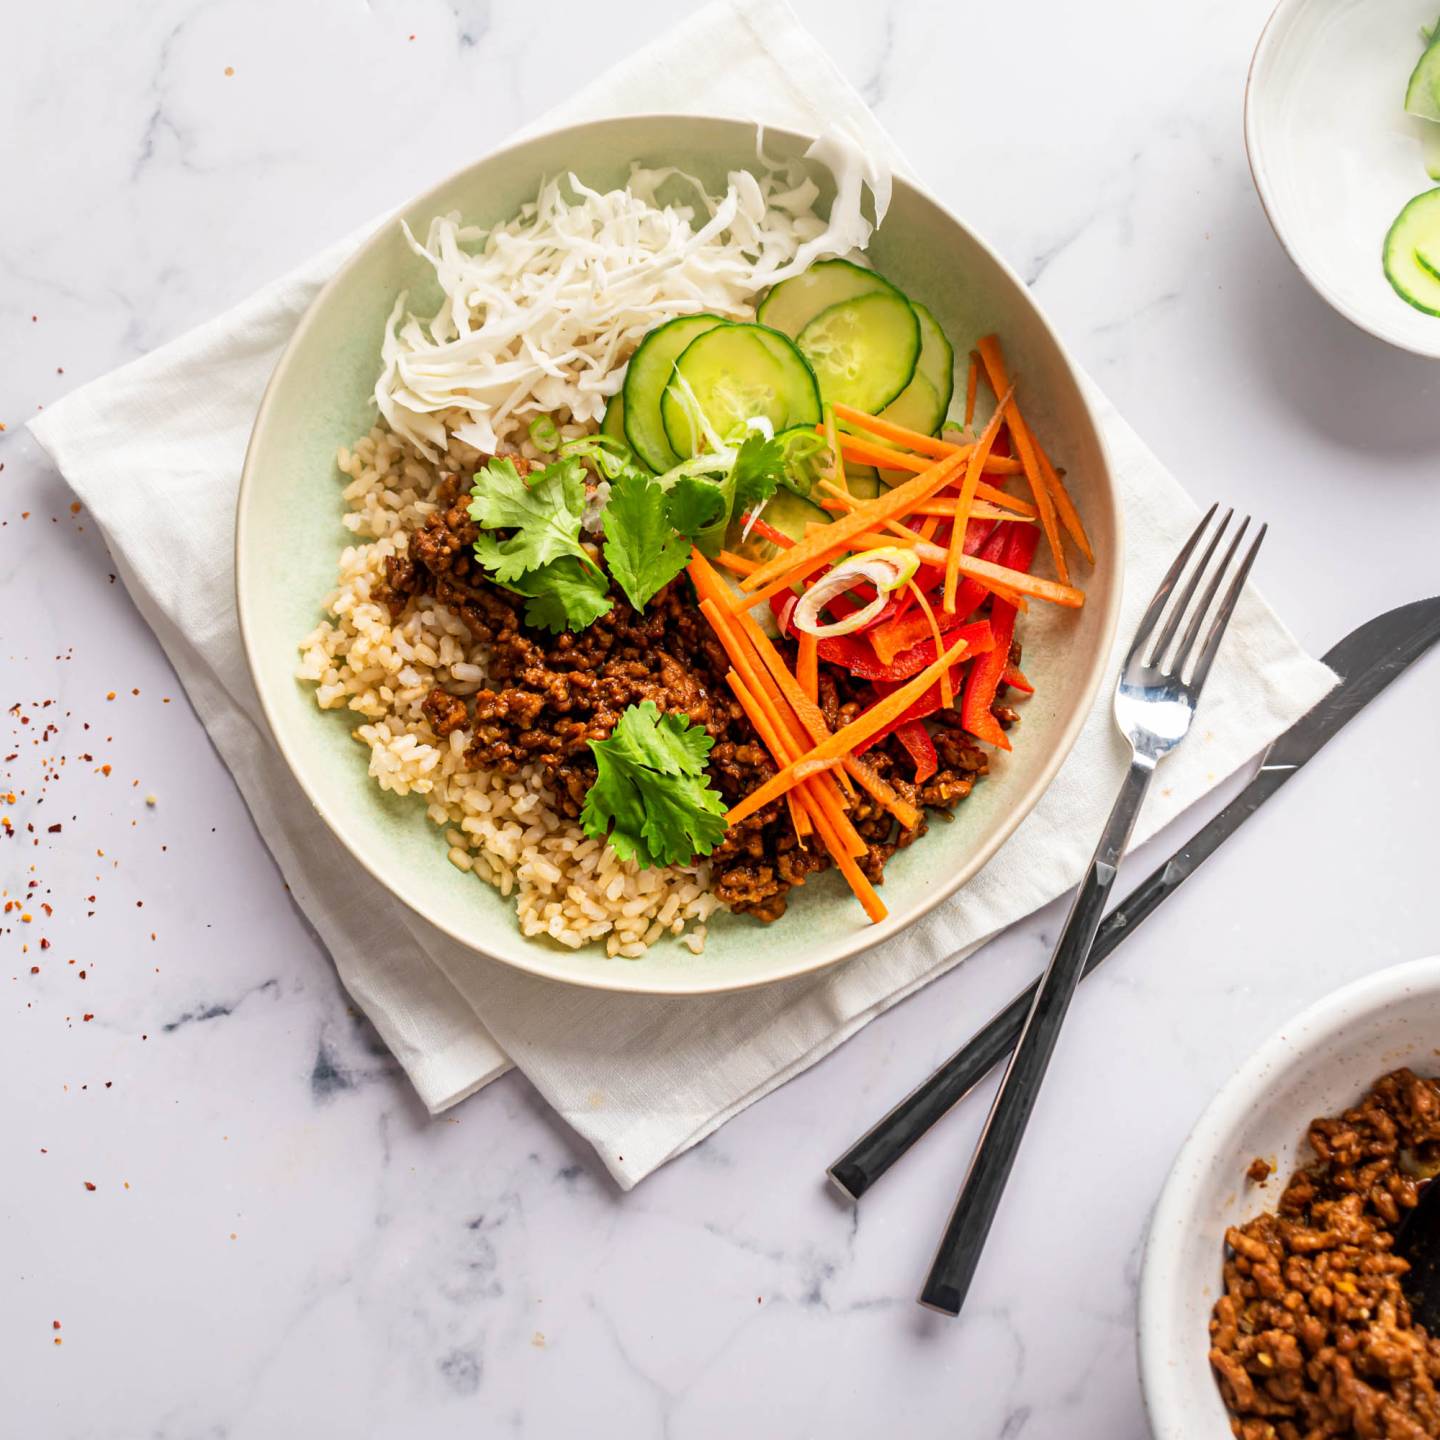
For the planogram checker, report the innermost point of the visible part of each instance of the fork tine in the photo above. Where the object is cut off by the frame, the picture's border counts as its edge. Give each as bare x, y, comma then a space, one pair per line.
1187, 642
1182, 605
1222, 618
1148, 621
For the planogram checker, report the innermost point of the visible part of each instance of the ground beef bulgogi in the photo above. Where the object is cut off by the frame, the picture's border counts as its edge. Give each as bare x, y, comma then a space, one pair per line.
549, 695
1313, 1336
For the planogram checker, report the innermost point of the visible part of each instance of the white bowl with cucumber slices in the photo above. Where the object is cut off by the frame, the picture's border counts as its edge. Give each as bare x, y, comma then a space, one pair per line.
1342, 126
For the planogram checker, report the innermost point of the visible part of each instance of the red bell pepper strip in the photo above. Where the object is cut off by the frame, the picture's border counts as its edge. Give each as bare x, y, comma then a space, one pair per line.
927, 705
977, 635
904, 632
861, 661
983, 678
916, 740
852, 654
1015, 678
980, 643
768, 532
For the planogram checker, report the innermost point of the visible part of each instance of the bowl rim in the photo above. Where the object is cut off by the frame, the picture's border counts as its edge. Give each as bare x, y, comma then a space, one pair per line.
1310, 1031
613, 977
1255, 78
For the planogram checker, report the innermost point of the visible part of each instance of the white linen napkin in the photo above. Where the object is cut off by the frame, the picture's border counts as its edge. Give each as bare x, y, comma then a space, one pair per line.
155, 450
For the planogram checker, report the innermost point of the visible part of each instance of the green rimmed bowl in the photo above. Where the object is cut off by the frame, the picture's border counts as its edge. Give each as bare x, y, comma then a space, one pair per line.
289, 536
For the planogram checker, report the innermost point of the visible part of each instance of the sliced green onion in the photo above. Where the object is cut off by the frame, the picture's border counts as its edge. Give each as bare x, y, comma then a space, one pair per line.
544, 434
612, 457
887, 569
806, 459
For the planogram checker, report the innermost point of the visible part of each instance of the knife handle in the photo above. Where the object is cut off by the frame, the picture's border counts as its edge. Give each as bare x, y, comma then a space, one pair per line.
886, 1141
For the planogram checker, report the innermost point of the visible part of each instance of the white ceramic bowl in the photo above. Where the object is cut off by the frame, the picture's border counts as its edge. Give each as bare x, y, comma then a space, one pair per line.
288, 539
1333, 153
1318, 1064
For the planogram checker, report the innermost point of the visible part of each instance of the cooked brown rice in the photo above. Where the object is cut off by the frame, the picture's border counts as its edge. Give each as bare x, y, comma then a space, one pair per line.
503, 829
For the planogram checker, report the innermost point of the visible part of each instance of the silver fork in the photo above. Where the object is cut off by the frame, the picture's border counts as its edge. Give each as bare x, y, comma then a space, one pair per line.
1155, 702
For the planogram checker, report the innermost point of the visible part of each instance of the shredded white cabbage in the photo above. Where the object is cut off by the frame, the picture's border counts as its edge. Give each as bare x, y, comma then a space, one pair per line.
541, 313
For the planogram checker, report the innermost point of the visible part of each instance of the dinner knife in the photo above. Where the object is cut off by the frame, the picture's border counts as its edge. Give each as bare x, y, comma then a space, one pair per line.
1366, 660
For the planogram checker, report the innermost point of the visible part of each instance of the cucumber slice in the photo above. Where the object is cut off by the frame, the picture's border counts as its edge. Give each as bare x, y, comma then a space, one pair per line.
651, 367
1412, 253
863, 351
936, 364
923, 404
915, 407
790, 513
1430, 149
864, 482
613, 422
735, 373
784, 349
793, 304
1422, 95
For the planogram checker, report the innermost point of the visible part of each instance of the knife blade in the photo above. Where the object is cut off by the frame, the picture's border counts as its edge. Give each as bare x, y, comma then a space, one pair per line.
1367, 660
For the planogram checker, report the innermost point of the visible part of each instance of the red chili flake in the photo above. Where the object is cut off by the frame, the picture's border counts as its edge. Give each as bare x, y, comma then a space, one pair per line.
45, 906
89, 1184
54, 1324
44, 944
54, 829
134, 692
88, 1016
109, 694
34, 969
82, 973
104, 769
75, 507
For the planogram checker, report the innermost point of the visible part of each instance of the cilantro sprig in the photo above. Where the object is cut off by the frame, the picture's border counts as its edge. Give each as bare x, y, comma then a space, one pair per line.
530, 524
652, 800
544, 509
649, 530
543, 558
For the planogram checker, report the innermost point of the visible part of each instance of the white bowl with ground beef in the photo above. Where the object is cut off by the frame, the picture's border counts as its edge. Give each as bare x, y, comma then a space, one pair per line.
1321, 1064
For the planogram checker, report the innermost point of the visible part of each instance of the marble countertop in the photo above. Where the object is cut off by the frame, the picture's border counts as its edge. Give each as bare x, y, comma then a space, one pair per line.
224, 1211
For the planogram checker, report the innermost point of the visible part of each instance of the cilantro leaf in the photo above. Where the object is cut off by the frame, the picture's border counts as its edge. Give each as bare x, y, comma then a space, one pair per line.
641, 547
563, 595
694, 505
792, 458
651, 798
759, 468
544, 510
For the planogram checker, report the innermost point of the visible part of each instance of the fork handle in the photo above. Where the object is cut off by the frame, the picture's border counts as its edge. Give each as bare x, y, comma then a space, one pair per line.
969, 1226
